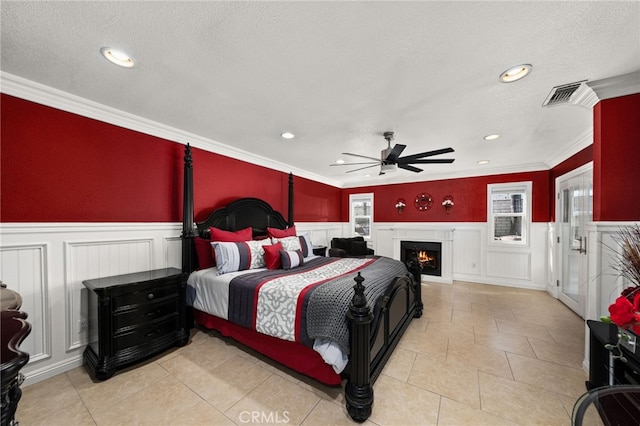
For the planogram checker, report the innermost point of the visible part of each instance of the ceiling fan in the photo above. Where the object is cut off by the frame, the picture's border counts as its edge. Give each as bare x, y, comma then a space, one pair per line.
390, 158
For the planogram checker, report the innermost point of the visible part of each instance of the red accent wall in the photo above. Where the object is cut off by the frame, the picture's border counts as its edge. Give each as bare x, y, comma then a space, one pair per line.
61, 167
579, 159
469, 196
616, 155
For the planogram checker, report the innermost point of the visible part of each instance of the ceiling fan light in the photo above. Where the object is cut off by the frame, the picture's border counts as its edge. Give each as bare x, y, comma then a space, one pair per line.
388, 168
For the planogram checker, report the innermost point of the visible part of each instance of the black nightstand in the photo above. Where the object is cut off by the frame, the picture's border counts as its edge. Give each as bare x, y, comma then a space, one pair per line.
134, 316
320, 250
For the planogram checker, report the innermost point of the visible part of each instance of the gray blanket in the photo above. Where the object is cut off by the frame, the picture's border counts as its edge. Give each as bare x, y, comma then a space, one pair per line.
329, 303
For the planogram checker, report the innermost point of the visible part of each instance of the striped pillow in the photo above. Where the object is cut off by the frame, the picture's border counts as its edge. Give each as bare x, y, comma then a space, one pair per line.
299, 242
305, 244
239, 256
291, 258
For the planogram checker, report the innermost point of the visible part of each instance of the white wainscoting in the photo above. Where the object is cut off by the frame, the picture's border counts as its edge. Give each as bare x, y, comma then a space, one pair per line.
604, 282
474, 257
47, 262
321, 233
603, 251
23, 268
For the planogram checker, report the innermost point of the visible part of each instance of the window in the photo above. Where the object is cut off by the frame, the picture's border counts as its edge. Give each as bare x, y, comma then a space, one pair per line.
509, 212
361, 214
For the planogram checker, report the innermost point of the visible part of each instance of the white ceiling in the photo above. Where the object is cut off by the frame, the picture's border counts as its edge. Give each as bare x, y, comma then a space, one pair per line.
337, 74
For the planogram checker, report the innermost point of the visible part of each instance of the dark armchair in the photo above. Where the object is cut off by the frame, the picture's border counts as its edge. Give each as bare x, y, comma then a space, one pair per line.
349, 247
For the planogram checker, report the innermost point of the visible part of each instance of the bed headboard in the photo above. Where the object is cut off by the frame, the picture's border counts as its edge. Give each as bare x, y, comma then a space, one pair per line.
242, 213
236, 215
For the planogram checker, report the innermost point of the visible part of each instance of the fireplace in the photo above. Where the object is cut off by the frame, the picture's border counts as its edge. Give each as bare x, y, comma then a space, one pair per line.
424, 253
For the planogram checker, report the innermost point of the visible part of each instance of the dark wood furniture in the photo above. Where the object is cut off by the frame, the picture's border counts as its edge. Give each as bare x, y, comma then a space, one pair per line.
134, 316
614, 378
14, 330
349, 247
376, 327
320, 250
605, 366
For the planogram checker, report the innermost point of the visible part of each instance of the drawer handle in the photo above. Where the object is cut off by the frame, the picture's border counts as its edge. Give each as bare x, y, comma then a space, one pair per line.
151, 333
157, 311
150, 296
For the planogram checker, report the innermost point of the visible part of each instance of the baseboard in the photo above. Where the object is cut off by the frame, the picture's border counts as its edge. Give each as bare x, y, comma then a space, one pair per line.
51, 370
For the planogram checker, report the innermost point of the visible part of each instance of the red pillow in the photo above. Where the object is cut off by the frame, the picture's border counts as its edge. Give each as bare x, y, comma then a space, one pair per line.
204, 253
231, 236
272, 256
282, 233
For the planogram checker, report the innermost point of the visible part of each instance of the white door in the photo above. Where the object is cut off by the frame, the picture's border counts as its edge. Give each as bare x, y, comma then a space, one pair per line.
574, 211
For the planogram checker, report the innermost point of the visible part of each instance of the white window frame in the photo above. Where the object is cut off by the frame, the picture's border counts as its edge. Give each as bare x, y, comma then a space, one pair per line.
494, 188
353, 198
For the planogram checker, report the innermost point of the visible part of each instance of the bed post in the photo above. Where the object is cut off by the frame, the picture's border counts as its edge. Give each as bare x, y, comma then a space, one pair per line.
187, 213
359, 390
416, 272
290, 205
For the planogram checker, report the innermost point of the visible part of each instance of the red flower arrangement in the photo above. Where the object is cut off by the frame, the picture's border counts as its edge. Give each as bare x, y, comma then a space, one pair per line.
625, 311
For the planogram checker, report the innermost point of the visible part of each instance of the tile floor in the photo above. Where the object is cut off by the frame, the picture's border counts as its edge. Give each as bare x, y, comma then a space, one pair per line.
480, 355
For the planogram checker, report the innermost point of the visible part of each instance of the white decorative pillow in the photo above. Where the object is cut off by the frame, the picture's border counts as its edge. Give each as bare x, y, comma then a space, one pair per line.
289, 243
239, 256
305, 244
291, 258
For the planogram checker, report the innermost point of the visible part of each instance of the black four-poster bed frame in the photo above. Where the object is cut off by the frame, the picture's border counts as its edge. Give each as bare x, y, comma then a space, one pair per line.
374, 332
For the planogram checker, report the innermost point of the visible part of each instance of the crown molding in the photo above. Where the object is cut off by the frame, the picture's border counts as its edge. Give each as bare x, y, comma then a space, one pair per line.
619, 85
584, 96
462, 174
581, 142
45, 95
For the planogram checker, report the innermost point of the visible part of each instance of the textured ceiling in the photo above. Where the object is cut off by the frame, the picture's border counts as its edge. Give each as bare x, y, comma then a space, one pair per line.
337, 74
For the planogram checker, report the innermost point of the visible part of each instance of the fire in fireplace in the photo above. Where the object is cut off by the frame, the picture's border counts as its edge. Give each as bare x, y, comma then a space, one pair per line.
425, 254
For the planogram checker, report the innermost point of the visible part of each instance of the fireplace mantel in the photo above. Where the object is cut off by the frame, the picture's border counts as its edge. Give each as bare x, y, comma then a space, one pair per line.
429, 234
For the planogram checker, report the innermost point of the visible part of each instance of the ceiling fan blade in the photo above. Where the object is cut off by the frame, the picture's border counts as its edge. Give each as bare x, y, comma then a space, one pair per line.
410, 158
361, 156
356, 164
395, 153
410, 168
432, 161
361, 168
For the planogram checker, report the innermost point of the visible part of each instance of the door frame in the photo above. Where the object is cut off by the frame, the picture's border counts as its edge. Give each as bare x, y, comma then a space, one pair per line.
555, 288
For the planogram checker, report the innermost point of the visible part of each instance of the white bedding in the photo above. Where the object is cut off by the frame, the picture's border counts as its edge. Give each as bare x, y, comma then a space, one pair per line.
211, 295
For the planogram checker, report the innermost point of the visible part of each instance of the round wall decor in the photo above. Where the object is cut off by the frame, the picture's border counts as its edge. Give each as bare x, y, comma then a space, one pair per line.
423, 201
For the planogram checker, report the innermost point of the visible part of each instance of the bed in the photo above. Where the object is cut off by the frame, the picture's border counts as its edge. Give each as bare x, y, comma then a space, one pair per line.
335, 320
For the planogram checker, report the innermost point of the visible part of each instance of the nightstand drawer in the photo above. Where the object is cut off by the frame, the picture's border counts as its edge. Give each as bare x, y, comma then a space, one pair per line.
134, 316
142, 297
146, 313
140, 336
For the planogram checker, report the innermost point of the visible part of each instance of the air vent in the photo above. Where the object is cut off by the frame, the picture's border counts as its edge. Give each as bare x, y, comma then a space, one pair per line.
561, 95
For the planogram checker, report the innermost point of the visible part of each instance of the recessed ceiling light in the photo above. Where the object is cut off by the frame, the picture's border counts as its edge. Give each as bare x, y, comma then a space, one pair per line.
515, 73
288, 135
367, 175
340, 161
117, 57
492, 137
483, 162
